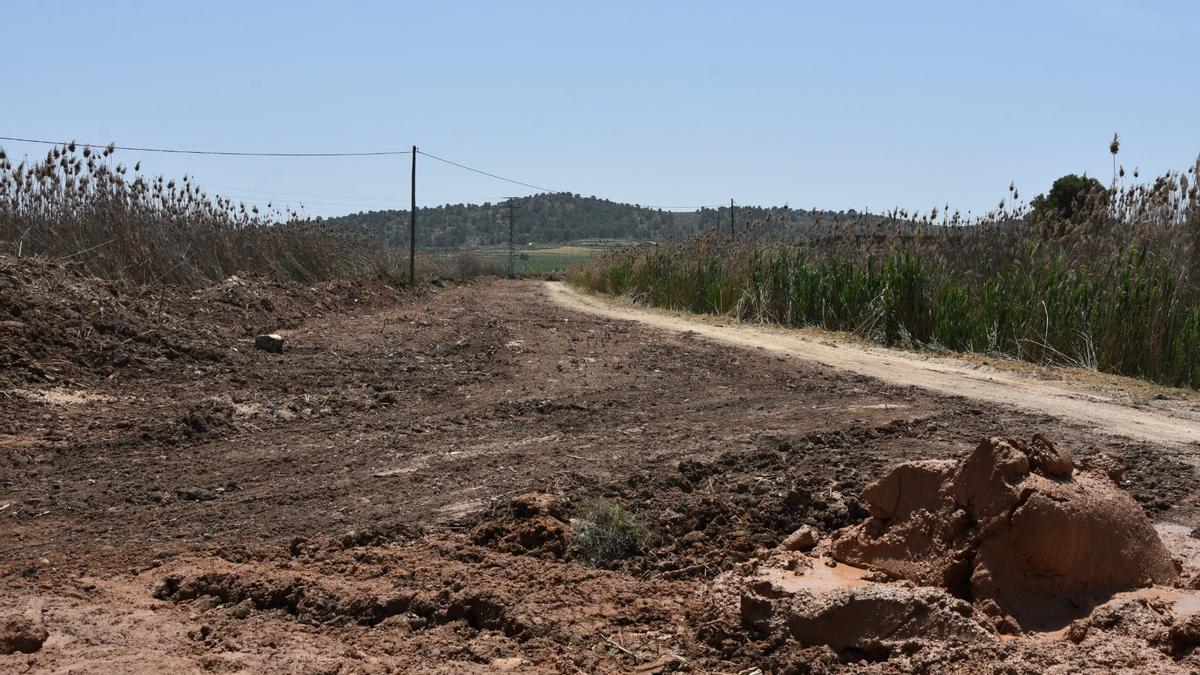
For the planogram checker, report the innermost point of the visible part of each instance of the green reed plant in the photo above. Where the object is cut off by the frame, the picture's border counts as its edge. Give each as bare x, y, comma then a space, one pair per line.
1114, 287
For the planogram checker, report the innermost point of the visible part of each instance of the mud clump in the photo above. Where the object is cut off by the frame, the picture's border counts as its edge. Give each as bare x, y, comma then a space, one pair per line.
871, 620
21, 635
794, 598
533, 523
316, 601
534, 504
1016, 524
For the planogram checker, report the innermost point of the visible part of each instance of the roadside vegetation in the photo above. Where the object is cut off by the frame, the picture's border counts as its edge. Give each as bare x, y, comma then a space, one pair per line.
1084, 275
80, 204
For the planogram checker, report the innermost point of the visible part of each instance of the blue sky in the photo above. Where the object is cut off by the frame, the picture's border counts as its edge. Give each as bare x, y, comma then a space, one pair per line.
828, 105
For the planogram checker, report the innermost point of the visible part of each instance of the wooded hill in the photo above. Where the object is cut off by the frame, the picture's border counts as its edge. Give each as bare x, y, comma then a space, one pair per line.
564, 217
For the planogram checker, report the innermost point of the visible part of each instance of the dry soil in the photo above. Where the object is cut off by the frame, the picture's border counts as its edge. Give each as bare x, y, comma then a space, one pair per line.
172, 499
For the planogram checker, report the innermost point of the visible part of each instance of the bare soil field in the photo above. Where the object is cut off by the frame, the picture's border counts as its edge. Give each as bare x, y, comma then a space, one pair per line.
395, 493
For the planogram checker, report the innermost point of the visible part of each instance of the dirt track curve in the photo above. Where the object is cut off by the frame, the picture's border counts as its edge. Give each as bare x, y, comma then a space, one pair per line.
1169, 421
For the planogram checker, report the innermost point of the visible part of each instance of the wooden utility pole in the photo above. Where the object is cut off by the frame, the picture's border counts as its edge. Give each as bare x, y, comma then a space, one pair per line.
512, 263
731, 231
412, 225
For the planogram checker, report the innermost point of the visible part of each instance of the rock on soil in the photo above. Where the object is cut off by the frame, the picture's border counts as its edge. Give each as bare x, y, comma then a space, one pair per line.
195, 494
1015, 523
801, 540
19, 634
272, 343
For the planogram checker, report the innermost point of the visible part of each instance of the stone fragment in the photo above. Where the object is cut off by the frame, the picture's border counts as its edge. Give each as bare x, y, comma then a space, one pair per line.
195, 494
800, 540
272, 343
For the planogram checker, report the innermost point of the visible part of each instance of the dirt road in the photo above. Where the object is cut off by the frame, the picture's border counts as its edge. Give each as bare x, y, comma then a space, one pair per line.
173, 499
1114, 409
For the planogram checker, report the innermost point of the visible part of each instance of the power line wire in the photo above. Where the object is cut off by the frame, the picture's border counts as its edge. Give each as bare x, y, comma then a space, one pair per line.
545, 189
212, 152
486, 173
327, 154
300, 195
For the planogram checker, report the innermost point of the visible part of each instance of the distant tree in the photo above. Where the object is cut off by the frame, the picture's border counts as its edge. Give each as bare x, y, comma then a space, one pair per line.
1069, 196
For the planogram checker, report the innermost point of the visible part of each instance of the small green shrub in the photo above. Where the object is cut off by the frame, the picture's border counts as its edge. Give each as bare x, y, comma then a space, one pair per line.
607, 533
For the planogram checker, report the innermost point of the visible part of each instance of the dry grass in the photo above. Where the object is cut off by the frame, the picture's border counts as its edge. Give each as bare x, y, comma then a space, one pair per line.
80, 204
605, 533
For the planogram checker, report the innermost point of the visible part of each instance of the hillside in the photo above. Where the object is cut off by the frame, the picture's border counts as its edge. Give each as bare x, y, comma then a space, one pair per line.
563, 217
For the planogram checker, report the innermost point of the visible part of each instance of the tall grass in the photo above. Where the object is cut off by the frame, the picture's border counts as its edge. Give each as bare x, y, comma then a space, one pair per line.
80, 204
1112, 287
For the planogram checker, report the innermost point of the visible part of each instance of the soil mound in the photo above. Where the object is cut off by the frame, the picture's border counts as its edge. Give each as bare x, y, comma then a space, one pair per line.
1016, 537
1016, 524
533, 523
57, 323
19, 634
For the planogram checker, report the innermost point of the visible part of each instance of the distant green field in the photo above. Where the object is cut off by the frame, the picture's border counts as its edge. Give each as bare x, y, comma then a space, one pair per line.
542, 259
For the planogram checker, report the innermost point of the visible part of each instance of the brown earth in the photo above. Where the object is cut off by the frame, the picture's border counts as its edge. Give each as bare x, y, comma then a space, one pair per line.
172, 499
